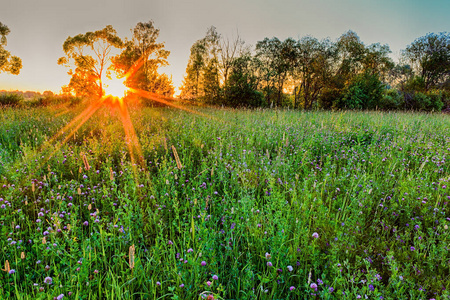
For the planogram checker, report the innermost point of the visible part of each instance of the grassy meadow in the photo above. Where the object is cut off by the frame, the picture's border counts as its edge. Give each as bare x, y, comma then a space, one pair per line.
224, 204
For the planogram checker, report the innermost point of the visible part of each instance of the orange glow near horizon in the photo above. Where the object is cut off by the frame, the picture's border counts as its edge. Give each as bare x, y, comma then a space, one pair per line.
115, 91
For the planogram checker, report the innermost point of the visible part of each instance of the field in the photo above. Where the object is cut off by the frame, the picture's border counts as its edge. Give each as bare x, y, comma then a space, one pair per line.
224, 204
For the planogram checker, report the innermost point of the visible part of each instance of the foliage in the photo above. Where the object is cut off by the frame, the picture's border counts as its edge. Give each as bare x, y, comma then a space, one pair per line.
10, 99
391, 100
202, 72
430, 54
141, 60
8, 63
365, 92
241, 88
89, 58
427, 101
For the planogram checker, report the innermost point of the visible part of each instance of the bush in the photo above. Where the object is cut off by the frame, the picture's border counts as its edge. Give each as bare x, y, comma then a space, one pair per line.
427, 102
391, 100
7, 99
364, 92
329, 97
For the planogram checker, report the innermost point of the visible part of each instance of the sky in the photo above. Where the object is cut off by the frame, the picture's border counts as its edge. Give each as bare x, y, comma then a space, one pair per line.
40, 27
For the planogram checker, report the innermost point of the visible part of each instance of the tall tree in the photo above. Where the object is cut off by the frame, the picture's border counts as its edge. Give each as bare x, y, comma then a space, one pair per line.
312, 69
202, 72
8, 63
145, 56
276, 62
430, 57
90, 55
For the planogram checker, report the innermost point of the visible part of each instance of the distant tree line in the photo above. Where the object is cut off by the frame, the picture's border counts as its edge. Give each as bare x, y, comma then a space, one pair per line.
311, 73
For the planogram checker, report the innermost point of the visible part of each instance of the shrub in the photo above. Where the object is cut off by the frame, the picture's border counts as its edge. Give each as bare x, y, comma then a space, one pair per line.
329, 97
427, 102
10, 99
364, 92
391, 100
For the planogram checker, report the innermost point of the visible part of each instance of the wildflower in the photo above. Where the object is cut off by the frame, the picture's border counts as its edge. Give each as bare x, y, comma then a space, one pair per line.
269, 264
209, 283
182, 285
170, 242
292, 288
86, 223
190, 250
320, 282
268, 256
215, 277
158, 283
48, 280
203, 263
330, 289
313, 286
315, 235
290, 268
371, 287
60, 297
412, 248
96, 271
12, 271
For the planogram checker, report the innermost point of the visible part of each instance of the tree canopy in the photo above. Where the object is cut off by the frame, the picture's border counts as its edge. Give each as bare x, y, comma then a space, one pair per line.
8, 63
89, 57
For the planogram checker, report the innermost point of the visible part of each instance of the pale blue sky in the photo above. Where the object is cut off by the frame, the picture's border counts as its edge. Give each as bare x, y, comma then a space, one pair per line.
39, 27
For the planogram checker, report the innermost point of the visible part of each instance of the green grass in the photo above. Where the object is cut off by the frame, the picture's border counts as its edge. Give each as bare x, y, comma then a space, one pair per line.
371, 185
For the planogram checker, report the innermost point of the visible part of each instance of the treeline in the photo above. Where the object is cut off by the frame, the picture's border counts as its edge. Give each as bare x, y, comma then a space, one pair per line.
310, 73
36, 99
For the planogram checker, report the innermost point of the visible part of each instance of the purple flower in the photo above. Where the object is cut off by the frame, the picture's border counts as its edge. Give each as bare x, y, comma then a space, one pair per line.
209, 283
315, 235
290, 268
268, 255
158, 283
203, 263
313, 286
96, 271
12, 271
48, 280
60, 297
215, 277
170, 242
292, 288
182, 285
190, 250
412, 248
371, 287
330, 289
86, 223
269, 264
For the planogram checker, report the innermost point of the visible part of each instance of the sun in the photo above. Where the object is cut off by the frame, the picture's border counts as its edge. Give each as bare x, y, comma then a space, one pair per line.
115, 87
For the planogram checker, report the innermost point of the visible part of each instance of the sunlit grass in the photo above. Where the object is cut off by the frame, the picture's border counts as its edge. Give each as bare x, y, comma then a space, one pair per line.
371, 186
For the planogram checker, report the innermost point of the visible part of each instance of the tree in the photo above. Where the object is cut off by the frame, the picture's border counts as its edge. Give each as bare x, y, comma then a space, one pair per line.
430, 58
276, 62
91, 56
8, 63
141, 59
312, 69
241, 86
202, 72
229, 51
